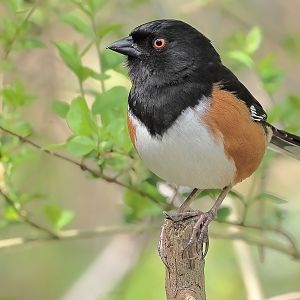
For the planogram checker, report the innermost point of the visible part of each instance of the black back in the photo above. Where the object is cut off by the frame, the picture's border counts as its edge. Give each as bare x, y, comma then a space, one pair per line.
158, 107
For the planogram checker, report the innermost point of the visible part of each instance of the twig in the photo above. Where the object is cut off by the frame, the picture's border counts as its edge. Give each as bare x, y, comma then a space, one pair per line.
83, 166
259, 241
265, 228
18, 30
24, 216
97, 46
39, 147
96, 174
74, 234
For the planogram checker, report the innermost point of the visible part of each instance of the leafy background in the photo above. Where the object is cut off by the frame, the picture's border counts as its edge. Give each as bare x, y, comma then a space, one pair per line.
79, 212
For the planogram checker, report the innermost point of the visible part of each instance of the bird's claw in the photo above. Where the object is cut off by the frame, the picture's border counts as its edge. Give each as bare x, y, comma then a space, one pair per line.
200, 234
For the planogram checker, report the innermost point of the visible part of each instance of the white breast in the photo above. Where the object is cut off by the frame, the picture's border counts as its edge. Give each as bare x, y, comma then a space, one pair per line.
187, 154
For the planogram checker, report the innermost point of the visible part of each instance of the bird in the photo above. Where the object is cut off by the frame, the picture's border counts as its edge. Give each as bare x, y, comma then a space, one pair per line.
190, 119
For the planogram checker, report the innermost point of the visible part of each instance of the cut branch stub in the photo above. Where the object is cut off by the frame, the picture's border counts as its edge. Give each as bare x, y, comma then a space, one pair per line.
184, 266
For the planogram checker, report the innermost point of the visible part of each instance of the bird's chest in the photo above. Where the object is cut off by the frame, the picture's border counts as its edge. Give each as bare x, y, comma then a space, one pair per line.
186, 153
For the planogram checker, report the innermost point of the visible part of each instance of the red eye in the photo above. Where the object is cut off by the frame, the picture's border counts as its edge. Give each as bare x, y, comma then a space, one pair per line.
159, 43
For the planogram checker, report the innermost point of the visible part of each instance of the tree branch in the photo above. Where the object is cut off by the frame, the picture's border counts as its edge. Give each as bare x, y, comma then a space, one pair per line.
74, 234
24, 216
292, 250
184, 266
259, 241
277, 230
83, 166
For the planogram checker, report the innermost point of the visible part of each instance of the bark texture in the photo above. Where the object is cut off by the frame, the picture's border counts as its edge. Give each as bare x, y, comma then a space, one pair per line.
184, 267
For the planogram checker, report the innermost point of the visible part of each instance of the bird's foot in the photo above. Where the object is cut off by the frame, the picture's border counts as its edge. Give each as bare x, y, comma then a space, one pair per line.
200, 229
200, 232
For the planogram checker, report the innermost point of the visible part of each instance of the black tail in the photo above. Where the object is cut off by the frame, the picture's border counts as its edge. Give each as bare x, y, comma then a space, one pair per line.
285, 142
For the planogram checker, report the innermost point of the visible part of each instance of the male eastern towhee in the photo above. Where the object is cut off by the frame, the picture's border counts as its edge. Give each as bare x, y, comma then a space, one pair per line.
190, 119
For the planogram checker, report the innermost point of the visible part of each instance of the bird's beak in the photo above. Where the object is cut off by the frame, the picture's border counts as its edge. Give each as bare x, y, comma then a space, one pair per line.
125, 46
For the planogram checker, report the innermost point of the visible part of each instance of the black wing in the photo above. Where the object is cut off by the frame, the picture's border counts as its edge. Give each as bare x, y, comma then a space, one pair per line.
229, 82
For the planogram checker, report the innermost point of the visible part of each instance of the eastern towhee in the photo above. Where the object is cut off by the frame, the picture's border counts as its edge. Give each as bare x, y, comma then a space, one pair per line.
190, 119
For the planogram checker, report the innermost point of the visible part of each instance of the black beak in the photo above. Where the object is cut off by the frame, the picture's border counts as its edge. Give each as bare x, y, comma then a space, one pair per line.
125, 46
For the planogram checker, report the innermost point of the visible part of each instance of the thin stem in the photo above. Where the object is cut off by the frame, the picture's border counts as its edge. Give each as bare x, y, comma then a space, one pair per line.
86, 48
81, 89
97, 46
259, 241
8, 47
18, 30
265, 228
24, 216
84, 167
75, 234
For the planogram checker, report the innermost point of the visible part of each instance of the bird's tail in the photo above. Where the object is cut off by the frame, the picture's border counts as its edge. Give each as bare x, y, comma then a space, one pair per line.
285, 142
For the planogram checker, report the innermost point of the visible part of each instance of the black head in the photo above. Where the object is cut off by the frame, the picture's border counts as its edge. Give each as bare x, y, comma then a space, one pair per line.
162, 51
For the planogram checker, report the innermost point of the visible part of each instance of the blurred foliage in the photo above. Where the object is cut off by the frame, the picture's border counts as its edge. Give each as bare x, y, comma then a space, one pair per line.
99, 131
97, 118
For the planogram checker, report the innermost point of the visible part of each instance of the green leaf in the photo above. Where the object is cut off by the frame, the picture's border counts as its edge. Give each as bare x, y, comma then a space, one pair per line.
8, 30
78, 24
28, 43
60, 108
70, 56
110, 60
16, 95
80, 145
85, 72
110, 104
292, 44
58, 218
152, 190
105, 29
15, 5
25, 198
80, 119
24, 129
137, 207
10, 214
237, 195
271, 76
253, 40
117, 163
99, 76
213, 193
240, 57
270, 197
223, 213
106, 146
96, 4
287, 111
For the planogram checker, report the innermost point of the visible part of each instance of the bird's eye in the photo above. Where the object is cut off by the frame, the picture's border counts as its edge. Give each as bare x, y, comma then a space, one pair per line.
159, 43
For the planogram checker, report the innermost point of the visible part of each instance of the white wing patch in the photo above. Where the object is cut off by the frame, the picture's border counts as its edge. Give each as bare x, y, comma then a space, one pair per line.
255, 116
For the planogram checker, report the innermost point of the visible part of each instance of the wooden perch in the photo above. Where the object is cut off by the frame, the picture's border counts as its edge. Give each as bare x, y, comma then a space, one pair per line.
184, 268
